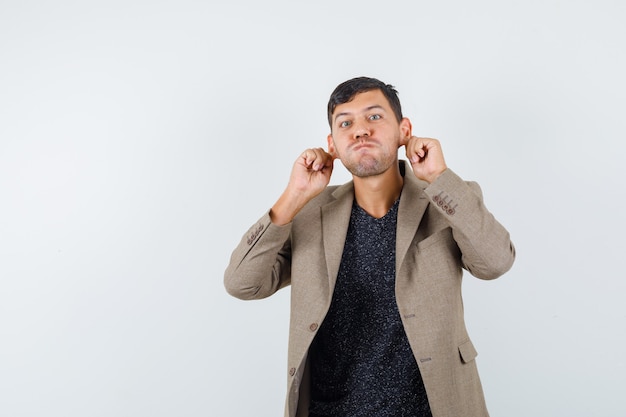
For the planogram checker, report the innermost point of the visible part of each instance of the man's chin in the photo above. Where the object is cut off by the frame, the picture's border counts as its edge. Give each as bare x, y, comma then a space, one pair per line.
366, 169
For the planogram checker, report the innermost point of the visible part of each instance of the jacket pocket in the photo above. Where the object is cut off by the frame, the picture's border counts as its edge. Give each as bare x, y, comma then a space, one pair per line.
467, 351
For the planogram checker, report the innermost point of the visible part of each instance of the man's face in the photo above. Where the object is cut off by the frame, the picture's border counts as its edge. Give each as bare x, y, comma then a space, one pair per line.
366, 134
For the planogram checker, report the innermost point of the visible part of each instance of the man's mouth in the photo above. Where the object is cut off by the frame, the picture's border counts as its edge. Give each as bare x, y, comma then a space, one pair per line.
363, 145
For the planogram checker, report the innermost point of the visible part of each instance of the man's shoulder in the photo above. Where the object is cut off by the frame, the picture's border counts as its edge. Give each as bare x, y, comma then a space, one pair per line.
326, 196
331, 193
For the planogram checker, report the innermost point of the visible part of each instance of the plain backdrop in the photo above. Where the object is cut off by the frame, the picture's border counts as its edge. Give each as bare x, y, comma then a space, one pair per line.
140, 139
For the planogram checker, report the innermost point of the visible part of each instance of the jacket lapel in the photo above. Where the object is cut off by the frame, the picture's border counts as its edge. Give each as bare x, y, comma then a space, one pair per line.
413, 203
336, 218
335, 221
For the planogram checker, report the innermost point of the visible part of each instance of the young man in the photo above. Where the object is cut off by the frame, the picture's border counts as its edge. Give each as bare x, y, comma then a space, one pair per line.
375, 268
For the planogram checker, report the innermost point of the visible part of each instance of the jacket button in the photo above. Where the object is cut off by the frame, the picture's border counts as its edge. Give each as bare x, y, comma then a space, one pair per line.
292, 371
313, 327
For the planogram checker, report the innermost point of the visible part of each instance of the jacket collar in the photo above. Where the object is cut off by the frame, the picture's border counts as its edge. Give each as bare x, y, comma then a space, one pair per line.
336, 218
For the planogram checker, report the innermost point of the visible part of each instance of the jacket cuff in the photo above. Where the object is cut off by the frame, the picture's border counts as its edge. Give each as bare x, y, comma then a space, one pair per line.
447, 191
265, 227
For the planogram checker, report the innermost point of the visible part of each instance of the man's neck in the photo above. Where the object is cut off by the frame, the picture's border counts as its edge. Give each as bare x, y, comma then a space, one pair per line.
377, 194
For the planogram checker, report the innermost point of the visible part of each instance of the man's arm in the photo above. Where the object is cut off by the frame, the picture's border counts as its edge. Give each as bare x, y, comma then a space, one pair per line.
261, 264
486, 248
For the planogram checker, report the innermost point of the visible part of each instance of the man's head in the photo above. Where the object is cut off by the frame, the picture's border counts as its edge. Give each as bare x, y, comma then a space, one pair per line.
347, 90
367, 126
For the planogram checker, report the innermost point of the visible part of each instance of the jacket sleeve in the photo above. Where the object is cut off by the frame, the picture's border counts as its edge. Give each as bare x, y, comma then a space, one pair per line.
486, 247
260, 265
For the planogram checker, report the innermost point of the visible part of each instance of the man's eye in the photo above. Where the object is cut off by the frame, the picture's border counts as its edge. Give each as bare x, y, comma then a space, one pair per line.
345, 123
375, 117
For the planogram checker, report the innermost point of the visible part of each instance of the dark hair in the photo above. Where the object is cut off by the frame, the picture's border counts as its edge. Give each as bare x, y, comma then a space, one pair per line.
346, 91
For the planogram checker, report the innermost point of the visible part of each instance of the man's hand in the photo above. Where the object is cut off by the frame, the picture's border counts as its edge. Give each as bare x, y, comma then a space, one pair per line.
309, 176
426, 157
311, 173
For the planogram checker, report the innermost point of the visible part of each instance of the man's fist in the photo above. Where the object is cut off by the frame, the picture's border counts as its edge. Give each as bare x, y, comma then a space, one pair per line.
426, 157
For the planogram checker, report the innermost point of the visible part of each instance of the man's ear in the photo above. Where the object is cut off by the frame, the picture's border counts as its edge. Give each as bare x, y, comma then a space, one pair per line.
331, 146
406, 129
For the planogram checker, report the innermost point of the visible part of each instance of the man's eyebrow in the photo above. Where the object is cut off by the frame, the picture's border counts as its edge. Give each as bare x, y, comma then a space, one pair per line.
370, 108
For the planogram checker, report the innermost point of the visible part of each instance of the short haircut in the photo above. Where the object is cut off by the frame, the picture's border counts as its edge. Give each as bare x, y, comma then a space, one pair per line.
347, 90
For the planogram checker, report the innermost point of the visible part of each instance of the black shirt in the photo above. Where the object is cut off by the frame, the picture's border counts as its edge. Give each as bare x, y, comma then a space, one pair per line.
361, 361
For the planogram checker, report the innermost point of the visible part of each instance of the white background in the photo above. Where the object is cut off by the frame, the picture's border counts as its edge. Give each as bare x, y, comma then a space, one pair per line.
140, 139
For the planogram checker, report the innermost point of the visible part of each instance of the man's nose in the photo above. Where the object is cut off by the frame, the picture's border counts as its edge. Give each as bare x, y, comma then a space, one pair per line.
361, 131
